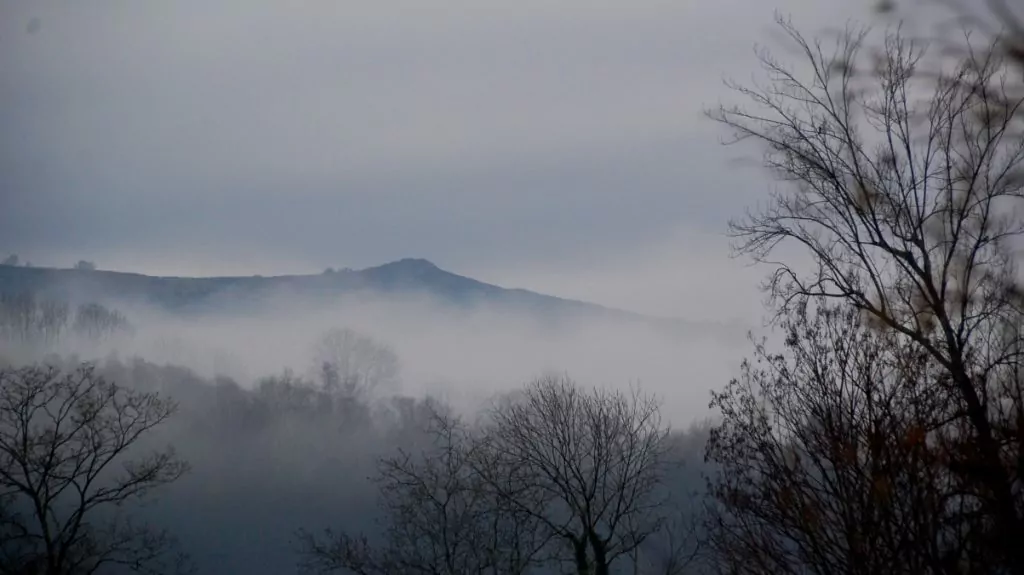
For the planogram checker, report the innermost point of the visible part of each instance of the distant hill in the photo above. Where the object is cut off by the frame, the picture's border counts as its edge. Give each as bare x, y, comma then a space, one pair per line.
201, 295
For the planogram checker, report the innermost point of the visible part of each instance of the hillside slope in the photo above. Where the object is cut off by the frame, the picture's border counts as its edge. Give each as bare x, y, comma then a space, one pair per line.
410, 277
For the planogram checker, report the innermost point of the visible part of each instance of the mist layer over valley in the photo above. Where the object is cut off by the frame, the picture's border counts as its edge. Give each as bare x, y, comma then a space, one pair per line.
289, 395
452, 335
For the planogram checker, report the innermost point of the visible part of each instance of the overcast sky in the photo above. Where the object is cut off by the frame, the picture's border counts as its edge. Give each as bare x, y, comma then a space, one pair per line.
557, 145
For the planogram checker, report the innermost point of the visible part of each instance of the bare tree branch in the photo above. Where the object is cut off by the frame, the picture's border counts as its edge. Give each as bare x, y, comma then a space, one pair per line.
67, 468
905, 191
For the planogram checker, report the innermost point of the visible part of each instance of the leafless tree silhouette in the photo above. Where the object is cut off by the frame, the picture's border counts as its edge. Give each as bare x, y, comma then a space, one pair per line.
553, 474
586, 464
831, 458
905, 194
438, 518
68, 471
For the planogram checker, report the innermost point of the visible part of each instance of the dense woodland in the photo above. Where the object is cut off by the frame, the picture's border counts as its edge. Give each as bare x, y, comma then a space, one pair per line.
883, 433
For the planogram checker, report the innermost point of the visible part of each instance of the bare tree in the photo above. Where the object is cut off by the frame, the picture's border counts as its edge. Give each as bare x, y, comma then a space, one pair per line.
53, 319
31, 319
830, 458
904, 193
353, 363
67, 472
27, 319
438, 518
554, 474
586, 464
288, 394
678, 547
96, 322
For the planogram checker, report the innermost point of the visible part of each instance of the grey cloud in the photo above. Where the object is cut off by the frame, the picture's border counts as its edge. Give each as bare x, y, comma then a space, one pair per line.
331, 133
520, 212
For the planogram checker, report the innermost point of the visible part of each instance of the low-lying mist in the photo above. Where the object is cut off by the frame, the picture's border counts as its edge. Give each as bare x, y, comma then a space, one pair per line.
463, 354
272, 452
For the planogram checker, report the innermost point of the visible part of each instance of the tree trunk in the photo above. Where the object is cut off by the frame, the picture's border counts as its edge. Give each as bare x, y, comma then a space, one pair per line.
990, 473
579, 547
600, 553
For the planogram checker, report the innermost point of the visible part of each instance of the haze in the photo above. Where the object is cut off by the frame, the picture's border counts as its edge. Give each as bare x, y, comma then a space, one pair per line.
558, 147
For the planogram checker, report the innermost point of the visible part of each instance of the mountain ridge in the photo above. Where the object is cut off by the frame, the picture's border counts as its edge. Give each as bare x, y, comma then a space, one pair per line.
403, 275
407, 276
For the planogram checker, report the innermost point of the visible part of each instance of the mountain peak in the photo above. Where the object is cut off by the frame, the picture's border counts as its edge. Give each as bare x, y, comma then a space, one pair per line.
406, 272
414, 263
412, 266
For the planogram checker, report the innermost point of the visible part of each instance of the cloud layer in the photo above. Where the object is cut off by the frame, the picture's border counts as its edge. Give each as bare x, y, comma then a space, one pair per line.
261, 137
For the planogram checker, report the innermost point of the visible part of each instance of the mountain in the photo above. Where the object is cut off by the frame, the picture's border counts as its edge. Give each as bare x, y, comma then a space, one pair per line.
410, 276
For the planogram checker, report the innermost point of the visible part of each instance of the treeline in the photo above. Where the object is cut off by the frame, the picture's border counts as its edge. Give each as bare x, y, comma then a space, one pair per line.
556, 477
28, 318
13, 260
469, 490
452, 489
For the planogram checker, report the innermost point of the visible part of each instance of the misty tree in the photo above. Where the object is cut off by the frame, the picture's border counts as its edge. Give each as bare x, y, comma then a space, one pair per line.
53, 319
678, 547
830, 457
555, 474
287, 392
69, 469
586, 464
291, 401
18, 315
354, 364
29, 319
95, 321
438, 517
903, 192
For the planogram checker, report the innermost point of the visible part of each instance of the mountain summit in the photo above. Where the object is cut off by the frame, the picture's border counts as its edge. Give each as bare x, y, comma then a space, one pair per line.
409, 265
